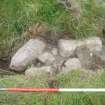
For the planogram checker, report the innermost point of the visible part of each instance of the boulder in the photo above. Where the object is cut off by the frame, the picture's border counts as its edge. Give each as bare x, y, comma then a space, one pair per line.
35, 71
99, 59
54, 51
47, 58
67, 47
93, 44
91, 60
85, 56
72, 64
26, 54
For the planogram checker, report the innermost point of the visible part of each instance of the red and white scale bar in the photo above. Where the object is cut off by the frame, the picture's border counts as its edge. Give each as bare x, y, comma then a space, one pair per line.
53, 89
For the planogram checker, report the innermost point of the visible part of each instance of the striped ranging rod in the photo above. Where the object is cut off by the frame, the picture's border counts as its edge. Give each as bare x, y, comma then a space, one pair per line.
53, 89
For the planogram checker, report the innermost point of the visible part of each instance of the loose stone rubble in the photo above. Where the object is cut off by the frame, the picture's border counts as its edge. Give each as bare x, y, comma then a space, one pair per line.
67, 55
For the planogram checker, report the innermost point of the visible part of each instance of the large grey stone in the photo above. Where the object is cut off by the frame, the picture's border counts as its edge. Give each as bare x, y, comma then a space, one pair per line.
54, 51
85, 57
91, 60
35, 71
93, 43
67, 47
99, 59
72, 64
46, 58
26, 54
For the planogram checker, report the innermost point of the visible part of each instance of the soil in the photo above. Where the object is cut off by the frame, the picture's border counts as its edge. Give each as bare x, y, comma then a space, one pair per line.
4, 64
4, 67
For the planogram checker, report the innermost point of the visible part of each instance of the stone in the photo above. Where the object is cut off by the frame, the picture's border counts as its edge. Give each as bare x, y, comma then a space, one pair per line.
72, 64
58, 65
35, 71
67, 47
54, 51
26, 54
47, 58
91, 60
85, 56
94, 44
99, 59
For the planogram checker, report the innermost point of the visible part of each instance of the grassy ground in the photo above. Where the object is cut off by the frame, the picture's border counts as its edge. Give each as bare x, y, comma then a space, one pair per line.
17, 15
73, 79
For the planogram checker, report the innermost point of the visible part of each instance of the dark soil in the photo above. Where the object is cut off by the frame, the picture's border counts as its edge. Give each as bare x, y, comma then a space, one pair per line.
4, 64
4, 67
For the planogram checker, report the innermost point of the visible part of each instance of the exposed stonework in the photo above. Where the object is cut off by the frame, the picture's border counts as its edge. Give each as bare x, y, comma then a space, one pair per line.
72, 64
67, 55
26, 54
47, 58
34, 71
67, 47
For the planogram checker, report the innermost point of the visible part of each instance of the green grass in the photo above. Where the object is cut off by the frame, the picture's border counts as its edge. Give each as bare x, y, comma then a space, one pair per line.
17, 15
72, 79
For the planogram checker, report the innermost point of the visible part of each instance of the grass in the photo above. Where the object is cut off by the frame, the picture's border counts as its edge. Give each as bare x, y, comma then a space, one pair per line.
75, 79
17, 15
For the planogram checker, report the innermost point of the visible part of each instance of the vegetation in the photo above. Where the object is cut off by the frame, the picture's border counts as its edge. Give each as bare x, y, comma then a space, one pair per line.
17, 15
75, 79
